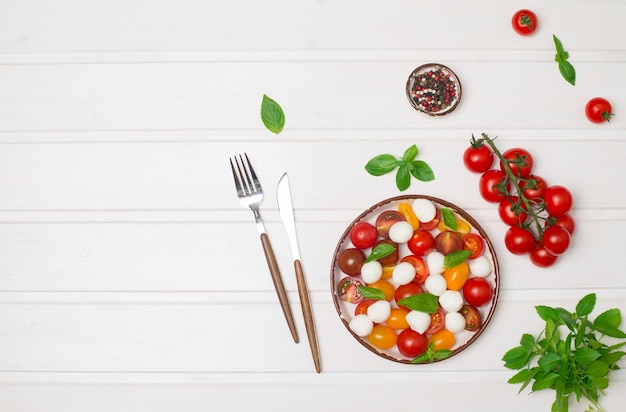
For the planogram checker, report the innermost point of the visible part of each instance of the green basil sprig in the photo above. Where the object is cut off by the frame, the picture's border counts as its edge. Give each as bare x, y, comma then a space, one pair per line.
565, 67
407, 166
431, 354
380, 251
423, 302
456, 258
272, 115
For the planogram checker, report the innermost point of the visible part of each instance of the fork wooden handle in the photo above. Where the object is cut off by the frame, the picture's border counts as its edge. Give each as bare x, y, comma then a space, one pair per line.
278, 284
305, 302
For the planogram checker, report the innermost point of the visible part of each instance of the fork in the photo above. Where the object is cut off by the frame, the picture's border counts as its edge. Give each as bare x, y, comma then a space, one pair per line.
251, 195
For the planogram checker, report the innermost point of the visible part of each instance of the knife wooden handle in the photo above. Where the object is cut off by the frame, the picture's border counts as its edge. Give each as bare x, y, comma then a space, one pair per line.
305, 302
278, 284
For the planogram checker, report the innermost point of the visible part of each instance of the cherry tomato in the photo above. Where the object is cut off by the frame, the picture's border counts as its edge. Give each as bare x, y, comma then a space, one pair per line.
397, 318
598, 110
515, 155
566, 222
382, 337
478, 158
391, 259
385, 286
350, 261
422, 243
404, 291
534, 188
488, 185
477, 291
456, 276
411, 343
556, 240
437, 322
421, 268
462, 226
475, 243
519, 241
448, 242
386, 219
430, 225
542, 258
363, 235
408, 213
558, 200
472, 317
348, 290
444, 339
511, 212
361, 308
524, 22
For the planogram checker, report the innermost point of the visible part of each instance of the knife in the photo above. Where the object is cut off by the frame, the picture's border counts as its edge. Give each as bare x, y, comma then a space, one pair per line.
285, 209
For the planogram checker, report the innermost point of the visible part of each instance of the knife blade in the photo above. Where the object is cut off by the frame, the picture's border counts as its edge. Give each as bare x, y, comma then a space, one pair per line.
285, 208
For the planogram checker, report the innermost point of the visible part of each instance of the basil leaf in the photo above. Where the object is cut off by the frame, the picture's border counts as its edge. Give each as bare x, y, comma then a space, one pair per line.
403, 178
568, 72
586, 305
410, 154
423, 302
561, 54
421, 171
449, 218
371, 293
380, 251
381, 164
272, 115
421, 358
456, 258
546, 313
584, 356
442, 354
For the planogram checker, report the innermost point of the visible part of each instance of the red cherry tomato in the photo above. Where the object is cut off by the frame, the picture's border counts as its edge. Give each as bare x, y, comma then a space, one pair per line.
404, 291
361, 308
524, 22
472, 317
363, 235
478, 158
558, 200
488, 185
567, 223
598, 110
519, 241
534, 188
422, 243
437, 322
542, 258
421, 269
477, 291
433, 223
511, 212
475, 243
520, 162
411, 343
556, 240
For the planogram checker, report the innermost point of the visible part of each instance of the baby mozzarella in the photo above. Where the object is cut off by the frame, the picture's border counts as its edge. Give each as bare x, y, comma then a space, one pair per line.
403, 273
424, 209
434, 261
361, 324
418, 321
455, 322
379, 311
451, 301
436, 284
371, 271
481, 266
401, 232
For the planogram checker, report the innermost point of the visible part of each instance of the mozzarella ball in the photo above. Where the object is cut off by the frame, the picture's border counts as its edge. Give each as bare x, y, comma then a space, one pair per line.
455, 322
371, 271
436, 284
424, 209
401, 232
481, 266
379, 311
403, 273
451, 301
418, 321
361, 324
434, 261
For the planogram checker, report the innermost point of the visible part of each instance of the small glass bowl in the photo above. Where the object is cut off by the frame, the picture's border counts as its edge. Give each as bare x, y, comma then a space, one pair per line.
433, 89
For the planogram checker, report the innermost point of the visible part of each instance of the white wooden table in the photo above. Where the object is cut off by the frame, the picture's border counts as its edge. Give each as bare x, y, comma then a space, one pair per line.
130, 277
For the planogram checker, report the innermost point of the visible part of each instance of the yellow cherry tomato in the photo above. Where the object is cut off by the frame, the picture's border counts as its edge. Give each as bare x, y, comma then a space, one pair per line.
397, 318
456, 276
382, 337
387, 272
385, 286
462, 227
444, 339
407, 211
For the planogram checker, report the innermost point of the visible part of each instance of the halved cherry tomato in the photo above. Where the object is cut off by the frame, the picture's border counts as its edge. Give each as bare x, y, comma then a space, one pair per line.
437, 322
456, 276
462, 226
433, 223
383, 337
407, 211
421, 268
475, 243
361, 308
444, 339
472, 317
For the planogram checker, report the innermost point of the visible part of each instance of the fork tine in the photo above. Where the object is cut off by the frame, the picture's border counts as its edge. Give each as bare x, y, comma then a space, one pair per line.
237, 180
243, 173
255, 180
